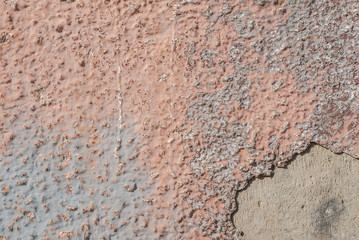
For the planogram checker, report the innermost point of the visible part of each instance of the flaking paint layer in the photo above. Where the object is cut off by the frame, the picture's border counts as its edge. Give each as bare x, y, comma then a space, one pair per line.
213, 94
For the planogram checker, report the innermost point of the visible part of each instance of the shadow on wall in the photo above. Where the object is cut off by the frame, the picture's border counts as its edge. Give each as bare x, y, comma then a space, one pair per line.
314, 197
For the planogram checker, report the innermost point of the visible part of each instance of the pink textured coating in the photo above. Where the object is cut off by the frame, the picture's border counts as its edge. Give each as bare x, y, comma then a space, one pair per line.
143, 119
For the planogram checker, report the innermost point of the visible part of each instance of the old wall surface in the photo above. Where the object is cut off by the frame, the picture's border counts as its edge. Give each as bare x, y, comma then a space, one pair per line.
314, 198
143, 119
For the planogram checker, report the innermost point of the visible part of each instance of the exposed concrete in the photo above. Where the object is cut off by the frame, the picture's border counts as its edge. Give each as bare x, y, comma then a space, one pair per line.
315, 197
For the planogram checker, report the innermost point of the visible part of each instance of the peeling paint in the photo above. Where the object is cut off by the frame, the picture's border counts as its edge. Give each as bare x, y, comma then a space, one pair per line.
196, 98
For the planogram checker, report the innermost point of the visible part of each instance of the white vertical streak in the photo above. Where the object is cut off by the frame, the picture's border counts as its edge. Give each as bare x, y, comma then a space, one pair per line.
120, 121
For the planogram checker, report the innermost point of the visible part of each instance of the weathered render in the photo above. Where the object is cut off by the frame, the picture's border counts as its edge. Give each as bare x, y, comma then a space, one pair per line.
143, 119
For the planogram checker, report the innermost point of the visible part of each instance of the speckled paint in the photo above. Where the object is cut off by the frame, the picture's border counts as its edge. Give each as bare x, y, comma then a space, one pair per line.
210, 94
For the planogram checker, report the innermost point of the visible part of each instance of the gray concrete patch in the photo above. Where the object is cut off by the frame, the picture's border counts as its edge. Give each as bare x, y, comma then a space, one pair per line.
315, 197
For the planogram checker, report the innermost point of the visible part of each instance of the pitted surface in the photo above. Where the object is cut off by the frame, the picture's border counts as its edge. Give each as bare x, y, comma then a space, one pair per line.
213, 94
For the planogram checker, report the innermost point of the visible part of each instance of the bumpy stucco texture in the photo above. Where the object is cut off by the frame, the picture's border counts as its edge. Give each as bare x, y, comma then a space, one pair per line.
142, 119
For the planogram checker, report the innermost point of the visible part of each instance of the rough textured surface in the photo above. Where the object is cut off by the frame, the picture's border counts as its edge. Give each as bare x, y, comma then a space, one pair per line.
143, 119
314, 197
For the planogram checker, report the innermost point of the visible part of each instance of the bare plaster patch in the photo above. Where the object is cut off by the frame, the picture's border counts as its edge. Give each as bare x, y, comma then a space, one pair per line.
314, 197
